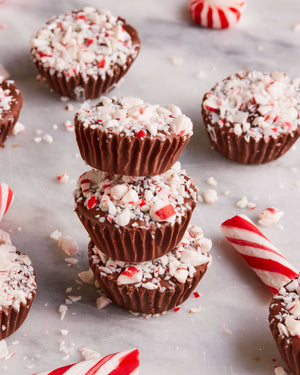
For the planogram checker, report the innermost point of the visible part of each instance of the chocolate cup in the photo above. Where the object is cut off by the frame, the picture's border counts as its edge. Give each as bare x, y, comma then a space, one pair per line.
91, 87
133, 243
289, 347
237, 149
129, 156
140, 299
10, 117
13, 319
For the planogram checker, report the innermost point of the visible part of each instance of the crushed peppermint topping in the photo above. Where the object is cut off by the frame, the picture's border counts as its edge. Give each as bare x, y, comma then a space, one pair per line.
120, 199
133, 117
89, 42
255, 105
6, 96
17, 280
289, 315
269, 216
178, 265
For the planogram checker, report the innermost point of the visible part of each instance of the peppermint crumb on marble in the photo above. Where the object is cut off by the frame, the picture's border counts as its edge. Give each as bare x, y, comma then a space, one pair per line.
62, 310
269, 216
210, 196
18, 128
47, 138
255, 104
226, 331
148, 199
132, 117
176, 60
54, 126
69, 127
102, 302
89, 42
55, 235
68, 245
71, 260
63, 178
87, 277
278, 370
200, 75
37, 139
244, 203
211, 181
89, 354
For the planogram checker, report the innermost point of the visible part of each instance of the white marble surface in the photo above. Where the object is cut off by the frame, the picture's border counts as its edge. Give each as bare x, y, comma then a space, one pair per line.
231, 295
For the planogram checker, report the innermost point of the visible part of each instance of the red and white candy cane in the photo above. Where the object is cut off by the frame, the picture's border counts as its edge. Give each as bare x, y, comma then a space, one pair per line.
216, 14
260, 254
6, 198
113, 364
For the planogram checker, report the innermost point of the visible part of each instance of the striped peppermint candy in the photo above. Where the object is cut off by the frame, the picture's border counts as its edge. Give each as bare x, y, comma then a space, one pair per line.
216, 14
122, 363
6, 198
260, 254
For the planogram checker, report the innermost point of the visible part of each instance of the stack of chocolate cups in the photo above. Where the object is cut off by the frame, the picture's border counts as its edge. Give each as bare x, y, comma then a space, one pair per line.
137, 203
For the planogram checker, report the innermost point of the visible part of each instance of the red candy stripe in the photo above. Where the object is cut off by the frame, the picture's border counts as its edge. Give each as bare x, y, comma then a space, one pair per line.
216, 14
259, 253
6, 198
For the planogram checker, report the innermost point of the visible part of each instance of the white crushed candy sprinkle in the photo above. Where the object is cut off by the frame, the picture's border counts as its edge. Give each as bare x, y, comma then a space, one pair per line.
278, 370
294, 148
69, 126
3, 349
163, 198
62, 311
176, 266
66, 349
254, 105
3, 72
15, 342
211, 181
200, 75
18, 128
54, 127
47, 138
68, 245
296, 27
39, 131
242, 203
63, 178
89, 42
69, 289
196, 310
269, 216
55, 235
37, 139
19, 229
175, 60
64, 332
64, 98
132, 117
210, 196
226, 331
226, 192
89, 354
251, 205
71, 260
102, 302
74, 298
87, 277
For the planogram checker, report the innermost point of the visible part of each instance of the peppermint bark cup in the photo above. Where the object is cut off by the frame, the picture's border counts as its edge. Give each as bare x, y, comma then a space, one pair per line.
253, 117
129, 137
11, 101
284, 319
158, 285
135, 219
17, 286
84, 53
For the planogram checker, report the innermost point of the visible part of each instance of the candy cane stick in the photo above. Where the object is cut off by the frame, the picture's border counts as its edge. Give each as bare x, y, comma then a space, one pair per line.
6, 198
260, 254
126, 363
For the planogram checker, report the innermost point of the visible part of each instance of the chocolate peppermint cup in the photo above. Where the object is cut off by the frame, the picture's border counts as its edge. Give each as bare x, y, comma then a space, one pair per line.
284, 319
253, 117
129, 137
17, 287
135, 219
11, 101
83, 54
158, 285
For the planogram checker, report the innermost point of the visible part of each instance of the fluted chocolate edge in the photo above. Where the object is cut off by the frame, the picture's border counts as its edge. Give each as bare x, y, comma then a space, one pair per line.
130, 156
92, 87
237, 149
134, 244
13, 319
142, 300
